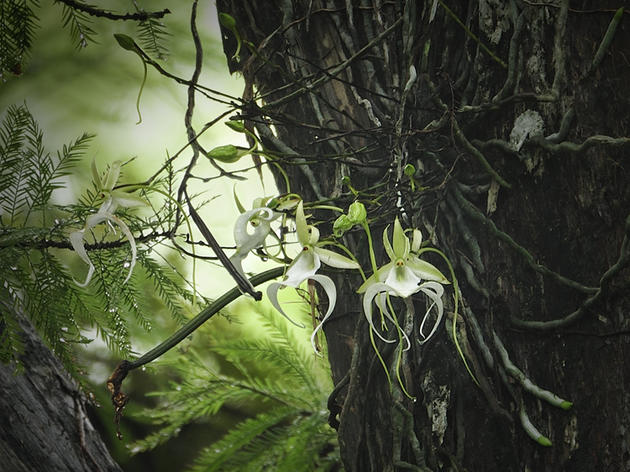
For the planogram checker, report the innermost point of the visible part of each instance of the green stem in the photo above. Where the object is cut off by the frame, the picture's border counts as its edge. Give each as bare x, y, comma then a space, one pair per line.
455, 309
366, 228
144, 80
201, 318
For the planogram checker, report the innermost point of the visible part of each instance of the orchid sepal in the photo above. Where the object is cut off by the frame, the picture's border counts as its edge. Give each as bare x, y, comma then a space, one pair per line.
334, 259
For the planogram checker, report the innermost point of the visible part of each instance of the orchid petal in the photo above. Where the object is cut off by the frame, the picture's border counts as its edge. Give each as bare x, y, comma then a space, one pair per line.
400, 241
331, 292
112, 176
126, 199
370, 293
416, 242
387, 245
246, 241
334, 259
78, 244
95, 175
95, 219
313, 235
426, 271
303, 266
403, 280
381, 303
239, 205
132, 242
272, 294
379, 276
434, 291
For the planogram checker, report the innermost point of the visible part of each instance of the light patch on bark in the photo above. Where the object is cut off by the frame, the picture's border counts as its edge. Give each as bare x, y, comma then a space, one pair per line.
571, 434
437, 407
493, 19
527, 124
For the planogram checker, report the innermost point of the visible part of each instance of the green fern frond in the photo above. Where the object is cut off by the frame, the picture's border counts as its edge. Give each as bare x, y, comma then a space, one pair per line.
273, 355
168, 286
272, 372
15, 142
17, 26
224, 454
48, 170
152, 34
79, 23
12, 138
48, 298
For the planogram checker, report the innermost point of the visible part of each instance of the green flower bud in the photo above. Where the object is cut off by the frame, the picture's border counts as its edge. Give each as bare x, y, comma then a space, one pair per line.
357, 213
125, 42
237, 126
409, 170
228, 153
341, 225
227, 21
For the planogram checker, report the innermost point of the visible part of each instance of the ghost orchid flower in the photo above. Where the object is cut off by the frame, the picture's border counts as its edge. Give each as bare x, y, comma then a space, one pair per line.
260, 220
405, 275
305, 266
105, 213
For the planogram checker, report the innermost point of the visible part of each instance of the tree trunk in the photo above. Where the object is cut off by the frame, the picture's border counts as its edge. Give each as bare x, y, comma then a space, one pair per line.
44, 421
514, 116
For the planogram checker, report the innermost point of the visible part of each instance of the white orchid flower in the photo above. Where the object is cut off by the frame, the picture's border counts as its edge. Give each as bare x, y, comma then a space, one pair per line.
305, 266
259, 219
105, 213
405, 275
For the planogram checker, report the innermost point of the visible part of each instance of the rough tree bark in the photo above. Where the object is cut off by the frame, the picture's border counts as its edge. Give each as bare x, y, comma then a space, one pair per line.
44, 421
515, 116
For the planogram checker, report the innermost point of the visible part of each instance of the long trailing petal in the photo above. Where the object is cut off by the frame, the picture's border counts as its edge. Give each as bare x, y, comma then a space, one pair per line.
334, 259
434, 291
132, 242
331, 292
272, 293
78, 244
370, 293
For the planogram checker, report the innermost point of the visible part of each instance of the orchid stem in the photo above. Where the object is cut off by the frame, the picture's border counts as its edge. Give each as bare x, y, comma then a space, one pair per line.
366, 228
202, 317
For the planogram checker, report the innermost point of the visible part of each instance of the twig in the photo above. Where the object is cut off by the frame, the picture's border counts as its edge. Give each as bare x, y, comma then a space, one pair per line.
92, 11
